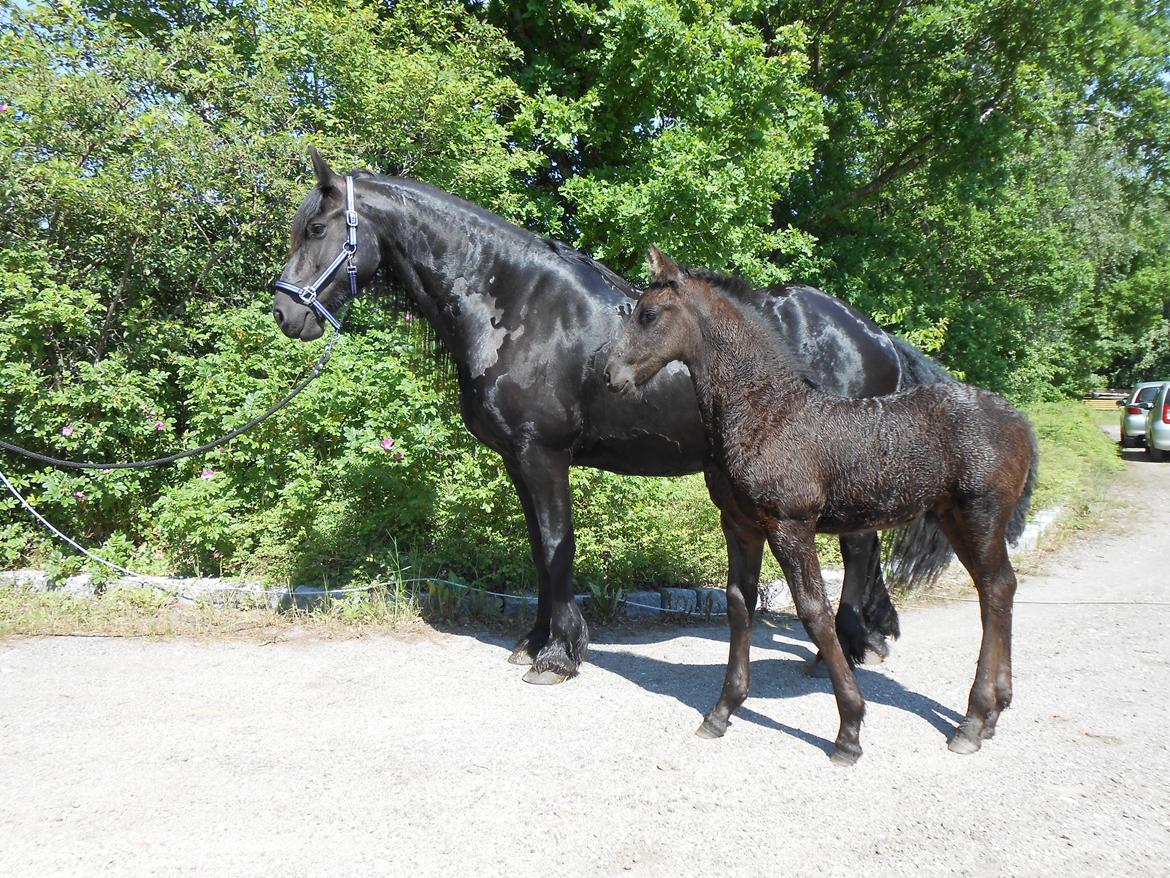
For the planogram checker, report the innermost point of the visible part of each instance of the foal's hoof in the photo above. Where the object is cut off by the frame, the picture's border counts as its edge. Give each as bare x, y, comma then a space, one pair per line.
845, 757
815, 667
963, 745
544, 678
520, 656
708, 729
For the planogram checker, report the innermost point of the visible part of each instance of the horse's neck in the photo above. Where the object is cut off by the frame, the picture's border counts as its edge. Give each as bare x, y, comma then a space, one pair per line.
739, 364
447, 255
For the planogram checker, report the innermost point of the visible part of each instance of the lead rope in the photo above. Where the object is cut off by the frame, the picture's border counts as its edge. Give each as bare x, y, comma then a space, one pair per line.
190, 452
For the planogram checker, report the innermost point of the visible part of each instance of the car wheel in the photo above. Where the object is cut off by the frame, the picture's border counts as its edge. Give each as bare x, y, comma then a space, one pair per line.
1157, 455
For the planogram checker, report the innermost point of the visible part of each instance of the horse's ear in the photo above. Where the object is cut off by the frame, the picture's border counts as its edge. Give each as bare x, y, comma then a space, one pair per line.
326, 178
663, 269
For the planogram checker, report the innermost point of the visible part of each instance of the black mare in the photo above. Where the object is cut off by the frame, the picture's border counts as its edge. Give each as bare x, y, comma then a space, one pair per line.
527, 322
788, 461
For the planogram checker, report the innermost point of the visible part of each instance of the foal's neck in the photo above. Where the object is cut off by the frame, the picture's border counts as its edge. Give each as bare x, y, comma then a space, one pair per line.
741, 362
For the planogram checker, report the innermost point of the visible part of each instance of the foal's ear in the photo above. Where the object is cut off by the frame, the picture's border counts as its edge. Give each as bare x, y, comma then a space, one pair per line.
327, 180
663, 269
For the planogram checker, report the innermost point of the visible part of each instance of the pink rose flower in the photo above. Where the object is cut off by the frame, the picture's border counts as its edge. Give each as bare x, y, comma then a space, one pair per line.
160, 425
67, 430
408, 317
79, 495
207, 474
3, 108
398, 455
387, 443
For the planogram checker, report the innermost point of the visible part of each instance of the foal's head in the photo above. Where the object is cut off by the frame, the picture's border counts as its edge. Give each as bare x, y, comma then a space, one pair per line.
662, 328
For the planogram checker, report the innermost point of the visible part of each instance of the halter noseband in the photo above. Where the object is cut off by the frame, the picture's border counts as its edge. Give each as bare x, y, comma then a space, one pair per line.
308, 293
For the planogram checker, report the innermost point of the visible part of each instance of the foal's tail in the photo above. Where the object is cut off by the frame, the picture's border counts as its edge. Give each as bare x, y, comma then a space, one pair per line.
917, 552
1015, 525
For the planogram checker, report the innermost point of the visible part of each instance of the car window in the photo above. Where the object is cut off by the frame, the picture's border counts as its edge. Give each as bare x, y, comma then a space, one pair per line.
1147, 394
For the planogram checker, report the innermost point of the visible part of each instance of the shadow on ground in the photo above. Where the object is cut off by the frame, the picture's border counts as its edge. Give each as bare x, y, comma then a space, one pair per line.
780, 652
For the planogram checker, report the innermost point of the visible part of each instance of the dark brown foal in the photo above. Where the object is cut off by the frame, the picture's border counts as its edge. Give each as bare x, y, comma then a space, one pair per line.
787, 461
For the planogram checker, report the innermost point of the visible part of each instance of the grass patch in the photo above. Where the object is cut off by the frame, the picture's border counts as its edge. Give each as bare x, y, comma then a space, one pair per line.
142, 612
1077, 459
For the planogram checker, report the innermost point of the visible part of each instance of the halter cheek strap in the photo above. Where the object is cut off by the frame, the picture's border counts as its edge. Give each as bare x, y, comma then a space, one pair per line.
308, 293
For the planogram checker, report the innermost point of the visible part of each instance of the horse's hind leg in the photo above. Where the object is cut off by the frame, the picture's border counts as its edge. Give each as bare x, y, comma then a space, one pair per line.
745, 552
793, 545
978, 539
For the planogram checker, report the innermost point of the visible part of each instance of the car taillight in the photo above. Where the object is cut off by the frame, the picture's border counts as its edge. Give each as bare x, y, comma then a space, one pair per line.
1132, 410
1166, 413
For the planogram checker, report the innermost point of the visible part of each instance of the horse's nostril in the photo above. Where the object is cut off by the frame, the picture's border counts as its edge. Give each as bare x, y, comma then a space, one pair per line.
278, 315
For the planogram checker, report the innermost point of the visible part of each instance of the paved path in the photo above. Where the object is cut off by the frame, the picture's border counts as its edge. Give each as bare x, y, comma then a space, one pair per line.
426, 754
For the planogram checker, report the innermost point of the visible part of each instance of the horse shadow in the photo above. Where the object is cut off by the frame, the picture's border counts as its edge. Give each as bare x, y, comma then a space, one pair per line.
780, 655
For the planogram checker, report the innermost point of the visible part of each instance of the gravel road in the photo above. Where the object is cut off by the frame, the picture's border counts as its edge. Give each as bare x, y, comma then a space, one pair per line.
424, 754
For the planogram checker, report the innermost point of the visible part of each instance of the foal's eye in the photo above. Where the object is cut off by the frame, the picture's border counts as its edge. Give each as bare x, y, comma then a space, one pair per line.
647, 317
317, 230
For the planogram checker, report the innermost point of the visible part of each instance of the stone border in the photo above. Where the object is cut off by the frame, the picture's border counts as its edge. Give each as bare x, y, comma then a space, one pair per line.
699, 602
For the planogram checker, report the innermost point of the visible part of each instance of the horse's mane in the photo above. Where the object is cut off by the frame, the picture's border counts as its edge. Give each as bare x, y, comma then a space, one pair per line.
745, 298
611, 277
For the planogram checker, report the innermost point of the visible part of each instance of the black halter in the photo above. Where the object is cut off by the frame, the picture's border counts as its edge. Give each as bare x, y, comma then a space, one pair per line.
308, 293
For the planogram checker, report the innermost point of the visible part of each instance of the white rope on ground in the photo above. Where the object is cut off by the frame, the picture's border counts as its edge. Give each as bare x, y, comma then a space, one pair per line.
154, 581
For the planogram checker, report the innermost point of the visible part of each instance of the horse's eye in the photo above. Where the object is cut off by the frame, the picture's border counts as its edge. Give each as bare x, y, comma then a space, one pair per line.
317, 230
647, 317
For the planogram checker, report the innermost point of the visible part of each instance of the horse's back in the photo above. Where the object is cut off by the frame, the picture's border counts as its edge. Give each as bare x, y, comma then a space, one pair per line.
848, 353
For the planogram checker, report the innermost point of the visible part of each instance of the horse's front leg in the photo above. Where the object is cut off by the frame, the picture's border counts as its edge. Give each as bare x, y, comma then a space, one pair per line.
745, 552
558, 641
527, 647
793, 544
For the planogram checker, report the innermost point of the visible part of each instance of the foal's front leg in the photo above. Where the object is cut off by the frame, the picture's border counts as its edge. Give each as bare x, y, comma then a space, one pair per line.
741, 605
792, 542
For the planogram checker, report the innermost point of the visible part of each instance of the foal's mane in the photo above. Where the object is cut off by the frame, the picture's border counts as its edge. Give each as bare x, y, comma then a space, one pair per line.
745, 298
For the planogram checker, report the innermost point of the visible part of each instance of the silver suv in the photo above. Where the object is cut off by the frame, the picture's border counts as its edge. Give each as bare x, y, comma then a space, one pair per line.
1157, 432
1133, 412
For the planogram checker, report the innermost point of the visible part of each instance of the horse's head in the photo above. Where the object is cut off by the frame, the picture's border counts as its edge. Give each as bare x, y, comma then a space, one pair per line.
660, 330
334, 251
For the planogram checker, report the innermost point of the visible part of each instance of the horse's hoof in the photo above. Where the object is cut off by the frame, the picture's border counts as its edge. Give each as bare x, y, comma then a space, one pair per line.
709, 730
877, 649
520, 656
815, 667
963, 745
544, 678
845, 757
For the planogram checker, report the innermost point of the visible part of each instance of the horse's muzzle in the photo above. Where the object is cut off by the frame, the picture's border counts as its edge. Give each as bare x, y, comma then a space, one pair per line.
296, 321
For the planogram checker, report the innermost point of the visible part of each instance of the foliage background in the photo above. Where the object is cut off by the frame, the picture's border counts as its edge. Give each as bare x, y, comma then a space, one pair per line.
987, 177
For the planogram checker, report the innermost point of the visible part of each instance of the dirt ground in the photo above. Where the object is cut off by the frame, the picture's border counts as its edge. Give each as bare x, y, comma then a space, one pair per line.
425, 754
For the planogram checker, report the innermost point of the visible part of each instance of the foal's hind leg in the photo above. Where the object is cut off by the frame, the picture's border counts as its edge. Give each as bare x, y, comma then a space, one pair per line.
979, 542
745, 552
793, 545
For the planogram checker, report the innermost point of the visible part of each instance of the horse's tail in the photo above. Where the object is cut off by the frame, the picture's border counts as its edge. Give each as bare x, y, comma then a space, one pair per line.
917, 367
1015, 525
917, 552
